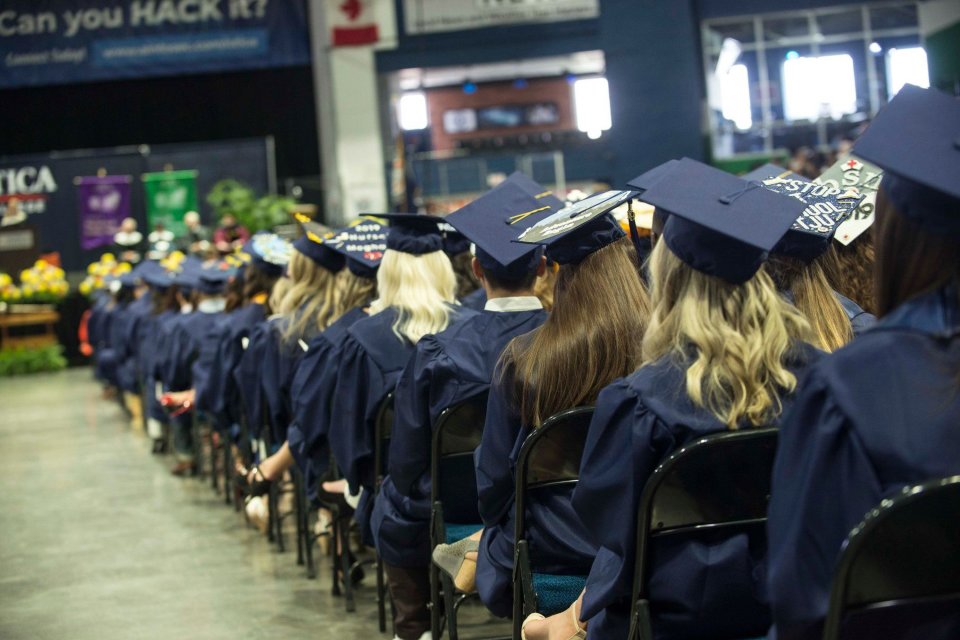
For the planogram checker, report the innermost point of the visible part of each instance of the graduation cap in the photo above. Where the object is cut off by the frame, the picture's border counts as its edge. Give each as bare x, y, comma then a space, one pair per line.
212, 278
136, 275
537, 191
646, 180
454, 242
269, 252
770, 171
915, 139
827, 207
313, 245
412, 233
719, 224
851, 172
188, 276
159, 277
576, 231
362, 243
493, 221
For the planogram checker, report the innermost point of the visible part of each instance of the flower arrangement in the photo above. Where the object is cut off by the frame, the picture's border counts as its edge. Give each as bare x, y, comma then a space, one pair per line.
100, 273
43, 283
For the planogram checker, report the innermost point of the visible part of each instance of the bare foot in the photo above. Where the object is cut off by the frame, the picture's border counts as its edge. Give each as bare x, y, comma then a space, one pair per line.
335, 486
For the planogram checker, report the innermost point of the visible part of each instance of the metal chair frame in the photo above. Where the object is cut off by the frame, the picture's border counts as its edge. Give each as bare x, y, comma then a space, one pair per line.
878, 548
652, 521
524, 596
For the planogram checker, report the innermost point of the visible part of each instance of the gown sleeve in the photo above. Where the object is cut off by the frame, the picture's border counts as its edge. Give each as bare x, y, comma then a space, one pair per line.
360, 387
426, 386
625, 443
249, 374
501, 431
823, 485
312, 394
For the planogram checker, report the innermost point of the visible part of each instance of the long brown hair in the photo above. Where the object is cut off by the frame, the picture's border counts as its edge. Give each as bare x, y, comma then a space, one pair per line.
467, 282
910, 261
591, 337
354, 291
849, 270
814, 298
255, 282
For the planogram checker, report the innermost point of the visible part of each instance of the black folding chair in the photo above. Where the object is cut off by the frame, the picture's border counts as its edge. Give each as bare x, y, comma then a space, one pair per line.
453, 496
904, 555
549, 459
384, 431
717, 483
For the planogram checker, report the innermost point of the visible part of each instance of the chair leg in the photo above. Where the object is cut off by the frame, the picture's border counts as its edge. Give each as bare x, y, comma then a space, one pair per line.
298, 514
350, 602
381, 596
227, 466
271, 512
278, 517
214, 478
309, 540
335, 553
449, 605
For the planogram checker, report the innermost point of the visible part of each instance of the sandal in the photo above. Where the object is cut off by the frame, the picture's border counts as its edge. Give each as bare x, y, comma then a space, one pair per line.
580, 634
257, 487
452, 560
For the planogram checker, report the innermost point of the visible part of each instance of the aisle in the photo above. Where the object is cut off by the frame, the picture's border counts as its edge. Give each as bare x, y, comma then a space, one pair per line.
98, 541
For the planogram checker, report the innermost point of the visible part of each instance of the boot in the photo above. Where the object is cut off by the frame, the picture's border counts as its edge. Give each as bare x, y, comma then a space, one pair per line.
134, 405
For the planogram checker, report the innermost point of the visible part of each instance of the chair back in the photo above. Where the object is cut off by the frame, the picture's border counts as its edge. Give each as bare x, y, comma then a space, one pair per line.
456, 435
905, 553
550, 456
383, 429
719, 482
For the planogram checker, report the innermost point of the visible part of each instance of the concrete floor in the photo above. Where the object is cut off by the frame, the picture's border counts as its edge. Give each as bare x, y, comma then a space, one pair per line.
98, 541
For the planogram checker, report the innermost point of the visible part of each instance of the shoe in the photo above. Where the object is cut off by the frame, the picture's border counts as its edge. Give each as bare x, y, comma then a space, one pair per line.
452, 560
159, 446
185, 468
579, 634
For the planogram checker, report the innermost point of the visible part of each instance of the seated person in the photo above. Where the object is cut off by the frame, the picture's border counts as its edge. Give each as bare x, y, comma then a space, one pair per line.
446, 369
723, 351
563, 364
416, 290
882, 413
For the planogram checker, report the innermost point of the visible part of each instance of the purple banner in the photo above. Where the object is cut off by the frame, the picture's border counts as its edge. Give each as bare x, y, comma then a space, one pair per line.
104, 203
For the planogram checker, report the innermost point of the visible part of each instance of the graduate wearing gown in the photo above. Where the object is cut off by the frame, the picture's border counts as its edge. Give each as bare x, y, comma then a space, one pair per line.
718, 231
311, 389
268, 365
586, 241
881, 414
446, 369
375, 349
797, 265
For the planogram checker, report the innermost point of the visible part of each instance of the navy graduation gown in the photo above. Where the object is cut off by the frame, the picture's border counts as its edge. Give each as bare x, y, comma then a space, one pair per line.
558, 542
311, 394
475, 300
860, 320
129, 371
370, 360
220, 393
446, 368
705, 586
152, 349
877, 415
184, 344
249, 374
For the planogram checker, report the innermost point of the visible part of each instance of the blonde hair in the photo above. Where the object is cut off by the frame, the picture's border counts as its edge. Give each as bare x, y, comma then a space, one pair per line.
421, 289
813, 297
277, 292
590, 338
354, 291
737, 337
311, 298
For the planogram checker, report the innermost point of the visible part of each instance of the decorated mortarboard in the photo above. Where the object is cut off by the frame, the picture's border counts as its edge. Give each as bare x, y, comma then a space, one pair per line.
412, 233
269, 252
719, 224
770, 171
576, 231
313, 245
493, 221
827, 207
853, 173
362, 243
915, 139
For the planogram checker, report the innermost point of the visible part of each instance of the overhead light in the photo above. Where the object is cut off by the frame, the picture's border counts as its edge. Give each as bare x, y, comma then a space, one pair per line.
412, 111
591, 99
792, 55
875, 48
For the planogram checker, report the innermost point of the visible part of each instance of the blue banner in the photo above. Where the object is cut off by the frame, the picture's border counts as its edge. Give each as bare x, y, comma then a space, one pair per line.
63, 41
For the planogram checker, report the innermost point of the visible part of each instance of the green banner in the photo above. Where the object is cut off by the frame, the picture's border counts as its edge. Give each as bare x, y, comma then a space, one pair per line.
170, 194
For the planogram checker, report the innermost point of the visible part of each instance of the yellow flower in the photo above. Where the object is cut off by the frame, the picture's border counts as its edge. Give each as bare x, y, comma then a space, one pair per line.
122, 268
107, 258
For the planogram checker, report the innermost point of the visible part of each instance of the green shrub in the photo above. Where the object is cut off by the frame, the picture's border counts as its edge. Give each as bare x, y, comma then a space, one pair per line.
22, 360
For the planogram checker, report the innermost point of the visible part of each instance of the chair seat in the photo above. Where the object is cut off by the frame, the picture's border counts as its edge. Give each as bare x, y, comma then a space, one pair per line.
555, 593
457, 532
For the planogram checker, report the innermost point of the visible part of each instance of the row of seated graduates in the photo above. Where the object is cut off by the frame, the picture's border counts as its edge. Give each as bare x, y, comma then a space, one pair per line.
847, 439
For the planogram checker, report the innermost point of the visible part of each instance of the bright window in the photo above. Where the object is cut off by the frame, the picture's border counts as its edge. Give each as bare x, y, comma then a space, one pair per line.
412, 111
822, 87
591, 99
906, 66
735, 96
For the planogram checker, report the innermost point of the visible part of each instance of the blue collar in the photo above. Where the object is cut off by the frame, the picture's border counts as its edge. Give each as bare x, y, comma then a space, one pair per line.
936, 313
